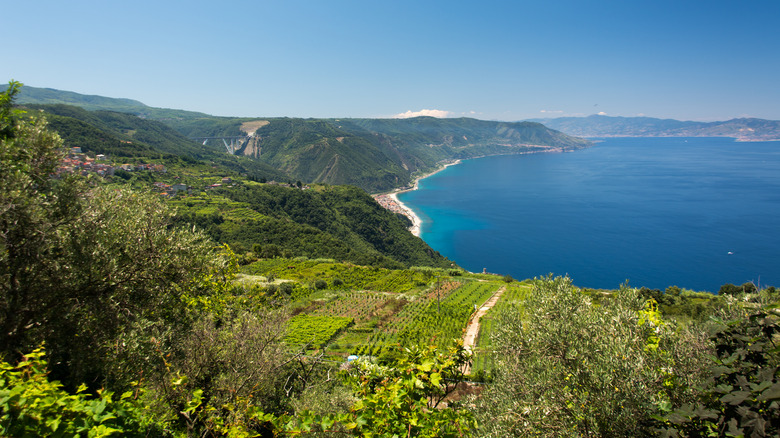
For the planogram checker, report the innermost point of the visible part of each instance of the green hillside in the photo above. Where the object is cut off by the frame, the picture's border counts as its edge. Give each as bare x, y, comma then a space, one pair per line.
341, 223
335, 222
34, 95
123, 135
374, 154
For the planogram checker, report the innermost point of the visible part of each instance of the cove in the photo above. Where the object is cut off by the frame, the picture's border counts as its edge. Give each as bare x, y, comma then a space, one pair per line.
691, 212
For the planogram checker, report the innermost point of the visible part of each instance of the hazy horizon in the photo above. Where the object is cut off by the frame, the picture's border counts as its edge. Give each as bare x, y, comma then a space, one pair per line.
499, 60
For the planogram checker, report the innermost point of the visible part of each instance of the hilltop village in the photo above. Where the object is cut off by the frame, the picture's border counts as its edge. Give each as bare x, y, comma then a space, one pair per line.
78, 162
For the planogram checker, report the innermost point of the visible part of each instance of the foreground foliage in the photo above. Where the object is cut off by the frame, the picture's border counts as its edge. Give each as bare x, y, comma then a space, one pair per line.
569, 367
405, 399
127, 301
741, 396
31, 405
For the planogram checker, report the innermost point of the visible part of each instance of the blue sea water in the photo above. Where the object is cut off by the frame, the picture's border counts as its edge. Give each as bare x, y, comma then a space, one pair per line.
691, 212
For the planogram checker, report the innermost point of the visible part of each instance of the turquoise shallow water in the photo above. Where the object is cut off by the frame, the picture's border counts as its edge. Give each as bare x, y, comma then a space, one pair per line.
691, 212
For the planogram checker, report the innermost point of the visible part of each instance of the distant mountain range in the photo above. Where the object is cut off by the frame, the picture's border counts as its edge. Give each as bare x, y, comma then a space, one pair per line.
374, 154
606, 126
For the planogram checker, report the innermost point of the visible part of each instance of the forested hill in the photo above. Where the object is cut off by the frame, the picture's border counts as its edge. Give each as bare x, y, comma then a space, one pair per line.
127, 137
745, 129
50, 96
374, 154
336, 222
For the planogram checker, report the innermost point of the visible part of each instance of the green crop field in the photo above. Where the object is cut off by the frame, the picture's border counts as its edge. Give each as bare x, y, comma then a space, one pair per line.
314, 330
385, 307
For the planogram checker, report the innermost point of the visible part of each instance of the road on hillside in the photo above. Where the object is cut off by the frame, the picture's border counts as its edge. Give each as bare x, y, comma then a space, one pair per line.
472, 330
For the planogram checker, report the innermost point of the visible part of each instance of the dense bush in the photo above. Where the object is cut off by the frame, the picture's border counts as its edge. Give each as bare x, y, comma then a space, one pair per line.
569, 367
741, 396
32, 405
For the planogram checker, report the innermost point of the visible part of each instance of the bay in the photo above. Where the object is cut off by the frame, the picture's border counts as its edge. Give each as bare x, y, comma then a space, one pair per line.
656, 212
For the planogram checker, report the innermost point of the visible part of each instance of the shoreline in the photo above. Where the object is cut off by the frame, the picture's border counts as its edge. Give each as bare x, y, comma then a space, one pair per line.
391, 202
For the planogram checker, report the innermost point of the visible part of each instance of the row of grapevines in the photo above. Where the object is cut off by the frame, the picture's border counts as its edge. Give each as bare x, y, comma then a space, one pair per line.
314, 330
357, 305
444, 320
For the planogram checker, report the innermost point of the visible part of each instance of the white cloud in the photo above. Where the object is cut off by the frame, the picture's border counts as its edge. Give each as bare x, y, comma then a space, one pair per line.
602, 113
426, 112
551, 111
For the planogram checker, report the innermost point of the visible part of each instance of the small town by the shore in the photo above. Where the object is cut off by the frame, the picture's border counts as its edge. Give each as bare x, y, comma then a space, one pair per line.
391, 202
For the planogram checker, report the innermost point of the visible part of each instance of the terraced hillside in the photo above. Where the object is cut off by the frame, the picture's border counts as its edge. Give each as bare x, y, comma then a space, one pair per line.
377, 309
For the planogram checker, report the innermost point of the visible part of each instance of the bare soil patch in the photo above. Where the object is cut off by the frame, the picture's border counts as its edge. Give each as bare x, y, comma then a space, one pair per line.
253, 125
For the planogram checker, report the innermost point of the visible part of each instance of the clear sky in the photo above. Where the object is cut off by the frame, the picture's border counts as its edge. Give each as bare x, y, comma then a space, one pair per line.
495, 60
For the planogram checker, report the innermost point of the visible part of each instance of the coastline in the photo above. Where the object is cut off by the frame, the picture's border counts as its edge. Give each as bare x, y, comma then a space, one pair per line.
391, 202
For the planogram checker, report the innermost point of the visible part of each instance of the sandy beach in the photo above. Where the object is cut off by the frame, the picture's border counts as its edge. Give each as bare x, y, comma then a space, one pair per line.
416, 228
391, 202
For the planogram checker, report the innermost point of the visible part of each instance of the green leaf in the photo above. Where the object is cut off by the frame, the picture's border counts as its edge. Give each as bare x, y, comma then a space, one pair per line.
735, 397
327, 422
771, 393
54, 423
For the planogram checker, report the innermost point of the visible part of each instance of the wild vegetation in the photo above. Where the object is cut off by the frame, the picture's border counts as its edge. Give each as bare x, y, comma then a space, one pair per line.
119, 317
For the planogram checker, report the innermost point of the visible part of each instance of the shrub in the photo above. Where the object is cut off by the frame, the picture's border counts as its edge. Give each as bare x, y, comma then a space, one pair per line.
31, 405
570, 367
286, 288
742, 394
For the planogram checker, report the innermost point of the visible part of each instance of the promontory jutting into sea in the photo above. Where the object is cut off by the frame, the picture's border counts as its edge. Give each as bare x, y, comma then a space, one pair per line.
656, 212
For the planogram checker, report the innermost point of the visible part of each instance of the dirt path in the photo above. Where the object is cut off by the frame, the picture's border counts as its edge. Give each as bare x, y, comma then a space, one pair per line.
472, 329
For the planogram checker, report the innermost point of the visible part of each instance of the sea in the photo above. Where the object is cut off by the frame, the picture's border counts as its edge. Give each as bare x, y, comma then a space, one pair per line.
695, 213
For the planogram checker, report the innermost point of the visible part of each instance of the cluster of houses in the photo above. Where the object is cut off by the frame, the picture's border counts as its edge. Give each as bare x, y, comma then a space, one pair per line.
225, 181
78, 162
172, 189
392, 204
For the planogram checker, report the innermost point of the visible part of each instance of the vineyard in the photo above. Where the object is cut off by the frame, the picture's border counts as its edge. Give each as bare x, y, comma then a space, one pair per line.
513, 295
381, 319
364, 310
314, 330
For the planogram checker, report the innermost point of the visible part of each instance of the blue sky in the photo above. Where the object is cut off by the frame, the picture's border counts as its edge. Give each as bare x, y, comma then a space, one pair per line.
495, 60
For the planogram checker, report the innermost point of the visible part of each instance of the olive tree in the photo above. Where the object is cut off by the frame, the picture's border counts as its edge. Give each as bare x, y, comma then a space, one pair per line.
80, 263
571, 367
